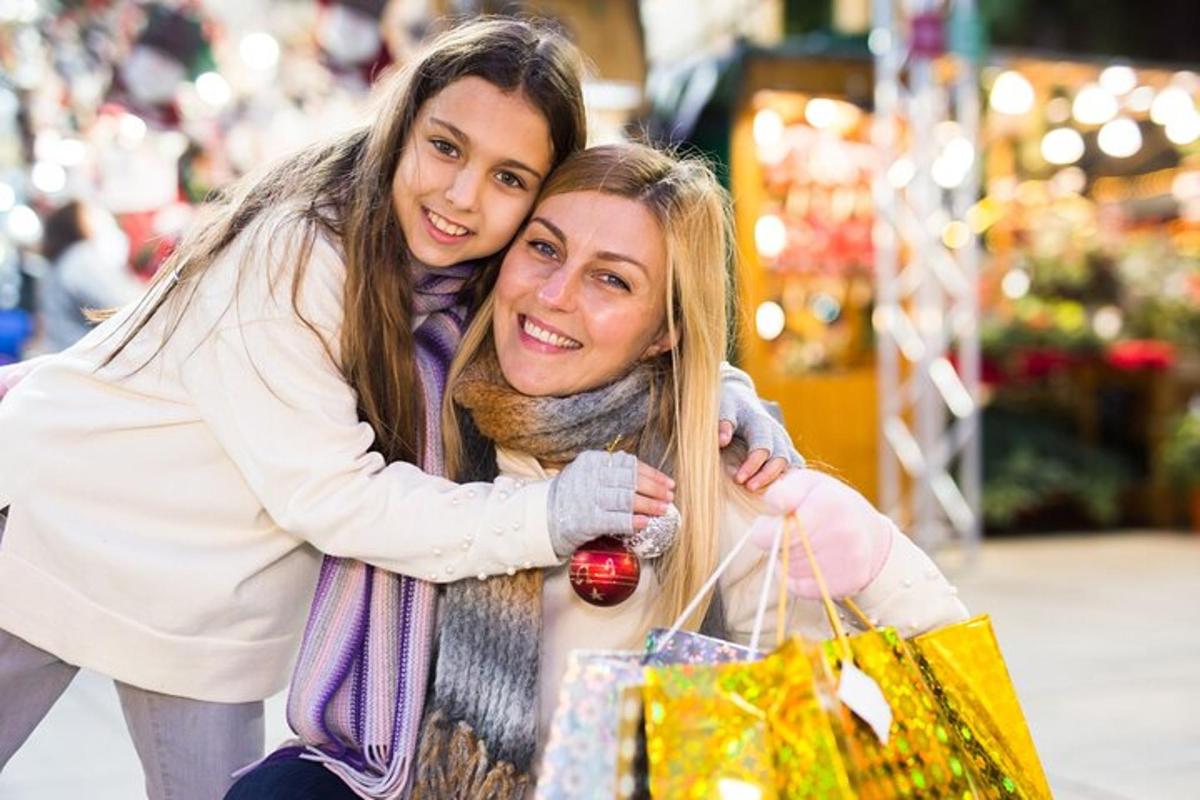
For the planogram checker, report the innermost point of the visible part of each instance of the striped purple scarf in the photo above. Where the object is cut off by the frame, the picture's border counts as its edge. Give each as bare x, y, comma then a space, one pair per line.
359, 686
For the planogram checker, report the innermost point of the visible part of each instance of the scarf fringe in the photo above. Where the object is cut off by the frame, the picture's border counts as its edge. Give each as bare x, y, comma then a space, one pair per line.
389, 785
453, 764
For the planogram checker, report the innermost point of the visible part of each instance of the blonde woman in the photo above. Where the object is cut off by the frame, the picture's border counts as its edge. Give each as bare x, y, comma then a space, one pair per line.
608, 324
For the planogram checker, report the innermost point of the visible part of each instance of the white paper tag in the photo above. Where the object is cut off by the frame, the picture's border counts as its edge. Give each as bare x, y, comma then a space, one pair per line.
862, 695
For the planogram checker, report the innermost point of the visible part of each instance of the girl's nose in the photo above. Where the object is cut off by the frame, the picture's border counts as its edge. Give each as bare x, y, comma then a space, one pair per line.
463, 191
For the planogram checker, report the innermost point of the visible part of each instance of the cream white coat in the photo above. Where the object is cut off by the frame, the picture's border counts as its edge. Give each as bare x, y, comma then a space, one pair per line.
167, 523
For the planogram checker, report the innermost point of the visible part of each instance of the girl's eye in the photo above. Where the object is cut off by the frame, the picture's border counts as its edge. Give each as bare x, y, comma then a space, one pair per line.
543, 248
444, 147
510, 180
615, 281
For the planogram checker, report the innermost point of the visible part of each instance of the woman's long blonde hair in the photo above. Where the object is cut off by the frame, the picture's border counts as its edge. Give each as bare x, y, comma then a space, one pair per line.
343, 189
692, 210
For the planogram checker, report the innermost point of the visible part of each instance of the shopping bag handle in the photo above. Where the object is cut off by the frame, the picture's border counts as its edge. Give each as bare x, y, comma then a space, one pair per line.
866, 621
779, 552
835, 622
721, 569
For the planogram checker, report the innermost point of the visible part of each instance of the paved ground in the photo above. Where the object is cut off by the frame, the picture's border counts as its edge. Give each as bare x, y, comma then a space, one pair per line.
1102, 636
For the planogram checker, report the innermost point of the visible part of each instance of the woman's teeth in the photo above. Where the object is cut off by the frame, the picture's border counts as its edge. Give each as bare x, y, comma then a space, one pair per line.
444, 225
548, 337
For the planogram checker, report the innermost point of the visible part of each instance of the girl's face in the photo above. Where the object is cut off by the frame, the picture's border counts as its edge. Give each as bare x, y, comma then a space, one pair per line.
470, 171
581, 295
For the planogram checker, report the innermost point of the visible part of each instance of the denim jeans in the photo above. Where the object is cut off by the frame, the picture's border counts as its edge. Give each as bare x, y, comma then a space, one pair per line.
188, 748
292, 779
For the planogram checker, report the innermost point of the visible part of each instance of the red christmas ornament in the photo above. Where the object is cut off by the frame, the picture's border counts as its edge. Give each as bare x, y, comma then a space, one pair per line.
604, 572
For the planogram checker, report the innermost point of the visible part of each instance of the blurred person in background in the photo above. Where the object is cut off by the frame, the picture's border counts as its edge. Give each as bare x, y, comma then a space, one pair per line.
87, 257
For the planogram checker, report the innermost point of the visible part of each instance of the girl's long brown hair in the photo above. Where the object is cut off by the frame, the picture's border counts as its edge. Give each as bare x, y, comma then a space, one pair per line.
342, 188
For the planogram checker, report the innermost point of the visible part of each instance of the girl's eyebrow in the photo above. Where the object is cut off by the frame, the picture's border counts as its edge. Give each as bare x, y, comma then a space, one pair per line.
508, 163
603, 255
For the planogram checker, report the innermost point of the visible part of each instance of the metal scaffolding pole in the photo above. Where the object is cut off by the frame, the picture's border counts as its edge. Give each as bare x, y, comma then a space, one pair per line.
927, 261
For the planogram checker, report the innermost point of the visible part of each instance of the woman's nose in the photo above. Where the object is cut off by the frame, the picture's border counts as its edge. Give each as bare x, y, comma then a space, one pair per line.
558, 289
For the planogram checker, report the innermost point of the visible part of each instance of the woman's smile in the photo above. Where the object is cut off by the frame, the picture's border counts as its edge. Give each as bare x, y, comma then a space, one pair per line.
544, 338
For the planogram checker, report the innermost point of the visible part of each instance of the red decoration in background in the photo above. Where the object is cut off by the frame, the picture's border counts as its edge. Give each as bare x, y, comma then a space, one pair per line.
1042, 361
1137, 354
604, 572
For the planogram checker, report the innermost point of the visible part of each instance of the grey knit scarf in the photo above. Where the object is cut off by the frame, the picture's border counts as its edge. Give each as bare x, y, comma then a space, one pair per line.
480, 731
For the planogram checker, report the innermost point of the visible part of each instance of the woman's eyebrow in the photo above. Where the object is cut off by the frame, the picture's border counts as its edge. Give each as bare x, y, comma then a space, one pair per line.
608, 255
508, 163
554, 229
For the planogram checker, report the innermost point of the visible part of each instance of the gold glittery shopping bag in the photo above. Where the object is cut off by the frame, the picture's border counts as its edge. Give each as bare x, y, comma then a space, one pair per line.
595, 750
856, 717
753, 730
919, 756
963, 665
957, 728
777, 728
958, 731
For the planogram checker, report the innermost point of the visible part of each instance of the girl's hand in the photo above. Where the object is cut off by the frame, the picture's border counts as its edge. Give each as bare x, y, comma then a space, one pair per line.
604, 494
743, 414
849, 538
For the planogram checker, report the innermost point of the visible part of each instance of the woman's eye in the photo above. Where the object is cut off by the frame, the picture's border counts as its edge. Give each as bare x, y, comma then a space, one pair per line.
510, 180
444, 147
615, 281
543, 248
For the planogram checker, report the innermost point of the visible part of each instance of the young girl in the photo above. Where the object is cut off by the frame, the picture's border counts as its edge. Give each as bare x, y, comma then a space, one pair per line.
173, 478
623, 264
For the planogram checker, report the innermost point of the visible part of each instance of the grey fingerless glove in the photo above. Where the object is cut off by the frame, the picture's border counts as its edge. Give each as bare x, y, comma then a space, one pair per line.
752, 424
591, 497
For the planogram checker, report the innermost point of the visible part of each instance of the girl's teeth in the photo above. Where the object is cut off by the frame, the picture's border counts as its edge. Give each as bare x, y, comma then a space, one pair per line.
446, 226
550, 338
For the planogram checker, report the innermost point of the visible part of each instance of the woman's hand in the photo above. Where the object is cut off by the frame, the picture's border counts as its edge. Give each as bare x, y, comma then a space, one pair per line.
770, 450
850, 539
604, 494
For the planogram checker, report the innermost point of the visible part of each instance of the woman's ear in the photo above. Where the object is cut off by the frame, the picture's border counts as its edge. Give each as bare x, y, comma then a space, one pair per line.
659, 346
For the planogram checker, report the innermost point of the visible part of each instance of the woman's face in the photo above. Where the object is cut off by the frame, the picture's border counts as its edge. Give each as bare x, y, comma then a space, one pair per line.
470, 171
581, 295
